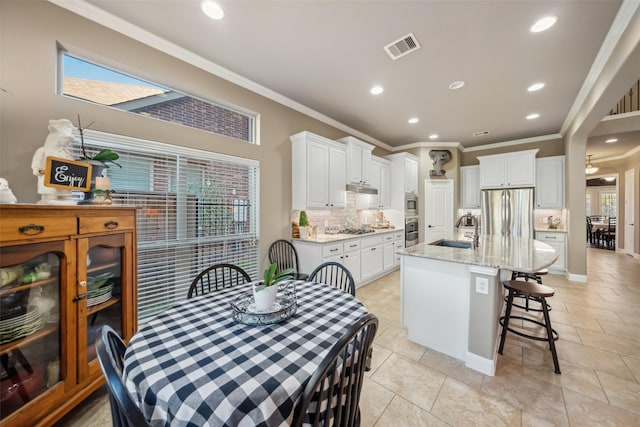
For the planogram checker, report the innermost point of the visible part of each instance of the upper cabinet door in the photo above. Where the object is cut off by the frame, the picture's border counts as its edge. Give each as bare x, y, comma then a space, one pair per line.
510, 170
470, 191
318, 172
550, 183
358, 160
411, 176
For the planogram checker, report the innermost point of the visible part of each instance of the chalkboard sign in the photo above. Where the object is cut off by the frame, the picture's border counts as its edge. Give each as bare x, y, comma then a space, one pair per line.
67, 174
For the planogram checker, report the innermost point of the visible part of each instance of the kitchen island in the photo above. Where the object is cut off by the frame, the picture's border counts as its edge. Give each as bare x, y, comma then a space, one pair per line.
451, 298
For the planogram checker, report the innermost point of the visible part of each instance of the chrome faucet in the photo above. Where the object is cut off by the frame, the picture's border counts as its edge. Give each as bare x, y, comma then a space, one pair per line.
473, 220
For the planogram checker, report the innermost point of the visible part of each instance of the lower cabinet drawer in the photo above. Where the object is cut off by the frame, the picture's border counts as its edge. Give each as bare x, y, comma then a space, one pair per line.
331, 250
99, 224
37, 227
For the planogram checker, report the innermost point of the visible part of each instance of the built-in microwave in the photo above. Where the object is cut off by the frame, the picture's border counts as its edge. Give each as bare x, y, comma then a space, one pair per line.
410, 204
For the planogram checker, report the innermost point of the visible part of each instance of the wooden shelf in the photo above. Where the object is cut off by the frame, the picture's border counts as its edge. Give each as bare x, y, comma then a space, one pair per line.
48, 329
13, 289
99, 307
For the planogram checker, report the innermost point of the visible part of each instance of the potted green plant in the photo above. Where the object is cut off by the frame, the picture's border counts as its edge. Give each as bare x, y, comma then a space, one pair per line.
102, 157
304, 225
265, 291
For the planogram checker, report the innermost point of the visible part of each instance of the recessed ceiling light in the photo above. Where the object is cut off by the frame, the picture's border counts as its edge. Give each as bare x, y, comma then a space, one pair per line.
456, 85
433, 136
212, 9
611, 140
413, 120
609, 178
536, 86
543, 24
533, 116
376, 90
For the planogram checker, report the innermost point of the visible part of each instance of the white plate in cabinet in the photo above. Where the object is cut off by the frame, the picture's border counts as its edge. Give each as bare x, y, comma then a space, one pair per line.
557, 241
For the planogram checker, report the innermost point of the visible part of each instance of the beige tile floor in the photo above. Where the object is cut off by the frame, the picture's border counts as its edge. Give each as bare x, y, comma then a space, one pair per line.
409, 385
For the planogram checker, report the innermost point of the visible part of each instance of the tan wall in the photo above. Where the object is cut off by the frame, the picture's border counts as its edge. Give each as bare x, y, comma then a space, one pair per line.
549, 148
29, 32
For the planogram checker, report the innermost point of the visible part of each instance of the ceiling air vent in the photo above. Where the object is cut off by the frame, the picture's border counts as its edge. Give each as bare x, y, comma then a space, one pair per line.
481, 133
402, 46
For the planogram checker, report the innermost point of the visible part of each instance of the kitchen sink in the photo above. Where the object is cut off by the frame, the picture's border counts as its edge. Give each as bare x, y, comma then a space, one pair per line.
462, 244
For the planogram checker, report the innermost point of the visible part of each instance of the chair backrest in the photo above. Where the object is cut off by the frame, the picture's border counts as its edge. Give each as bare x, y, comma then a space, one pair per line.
110, 350
334, 274
283, 253
331, 396
218, 276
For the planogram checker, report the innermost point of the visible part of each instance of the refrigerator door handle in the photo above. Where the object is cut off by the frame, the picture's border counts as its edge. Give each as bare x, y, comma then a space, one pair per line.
506, 210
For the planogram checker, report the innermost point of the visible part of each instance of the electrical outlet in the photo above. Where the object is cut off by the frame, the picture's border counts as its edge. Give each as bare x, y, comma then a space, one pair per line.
482, 285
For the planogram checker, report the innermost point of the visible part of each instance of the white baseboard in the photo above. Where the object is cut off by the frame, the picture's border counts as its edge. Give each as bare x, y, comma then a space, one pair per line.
481, 364
577, 277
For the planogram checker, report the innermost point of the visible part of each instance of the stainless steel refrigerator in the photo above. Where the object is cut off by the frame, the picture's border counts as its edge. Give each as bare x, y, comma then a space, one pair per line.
508, 212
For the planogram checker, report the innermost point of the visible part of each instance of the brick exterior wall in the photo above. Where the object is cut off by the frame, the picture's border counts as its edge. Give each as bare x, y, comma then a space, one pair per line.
201, 115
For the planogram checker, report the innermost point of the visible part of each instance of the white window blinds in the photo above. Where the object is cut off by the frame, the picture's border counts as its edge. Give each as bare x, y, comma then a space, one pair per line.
195, 209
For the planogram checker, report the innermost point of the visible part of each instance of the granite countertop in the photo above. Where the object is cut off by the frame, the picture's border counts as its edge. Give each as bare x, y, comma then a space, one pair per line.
330, 238
509, 253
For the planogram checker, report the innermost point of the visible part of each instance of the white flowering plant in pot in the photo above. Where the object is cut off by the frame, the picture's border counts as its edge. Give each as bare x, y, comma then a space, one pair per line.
265, 291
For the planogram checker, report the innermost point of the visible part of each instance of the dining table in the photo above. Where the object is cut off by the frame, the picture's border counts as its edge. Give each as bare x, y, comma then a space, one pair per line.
194, 365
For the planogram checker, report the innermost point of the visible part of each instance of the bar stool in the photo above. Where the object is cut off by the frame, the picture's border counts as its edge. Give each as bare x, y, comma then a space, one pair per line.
538, 293
537, 276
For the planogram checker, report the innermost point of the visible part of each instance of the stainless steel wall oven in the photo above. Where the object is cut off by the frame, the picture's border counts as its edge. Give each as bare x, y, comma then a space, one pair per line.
410, 231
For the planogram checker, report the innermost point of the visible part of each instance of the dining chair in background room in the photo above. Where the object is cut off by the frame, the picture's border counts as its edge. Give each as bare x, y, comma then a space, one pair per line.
283, 253
609, 234
334, 274
110, 351
332, 395
590, 235
218, 276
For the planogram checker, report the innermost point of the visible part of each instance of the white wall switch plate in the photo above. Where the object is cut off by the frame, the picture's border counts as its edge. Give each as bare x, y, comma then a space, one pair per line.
482, 285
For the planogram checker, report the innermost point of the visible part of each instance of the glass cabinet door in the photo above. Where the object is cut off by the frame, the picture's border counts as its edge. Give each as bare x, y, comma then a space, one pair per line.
101, 273
31, 316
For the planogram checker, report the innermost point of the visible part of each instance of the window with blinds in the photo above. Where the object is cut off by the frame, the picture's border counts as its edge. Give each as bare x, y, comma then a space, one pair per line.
195, 209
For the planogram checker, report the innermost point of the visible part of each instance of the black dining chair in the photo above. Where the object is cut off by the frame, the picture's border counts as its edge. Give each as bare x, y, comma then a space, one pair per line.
332, 395
609, 234
334, 274
590, 233
218, 276
283, 253
110, 351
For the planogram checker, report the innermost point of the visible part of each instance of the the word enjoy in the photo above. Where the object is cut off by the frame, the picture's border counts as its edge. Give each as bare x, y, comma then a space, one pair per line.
71, 180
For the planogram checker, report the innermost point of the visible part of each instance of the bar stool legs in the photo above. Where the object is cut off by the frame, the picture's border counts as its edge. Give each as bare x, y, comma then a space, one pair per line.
539, 293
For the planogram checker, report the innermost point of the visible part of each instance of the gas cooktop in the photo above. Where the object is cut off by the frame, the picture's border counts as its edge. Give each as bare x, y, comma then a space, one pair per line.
356, 231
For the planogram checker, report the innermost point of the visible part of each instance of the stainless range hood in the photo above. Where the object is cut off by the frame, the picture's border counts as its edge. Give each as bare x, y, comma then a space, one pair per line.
361, 189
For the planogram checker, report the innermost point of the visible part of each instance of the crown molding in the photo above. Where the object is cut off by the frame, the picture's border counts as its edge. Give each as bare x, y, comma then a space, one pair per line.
108, 20
429, 144
621, 157
514, 142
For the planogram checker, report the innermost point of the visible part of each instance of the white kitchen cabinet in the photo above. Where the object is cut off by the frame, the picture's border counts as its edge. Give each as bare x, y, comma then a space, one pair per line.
371, 257
470, 187
398, 245
351, 259
318, 172
388, 256
509, 170
358, 160
550, 182
557, 240
404, 178
380, 179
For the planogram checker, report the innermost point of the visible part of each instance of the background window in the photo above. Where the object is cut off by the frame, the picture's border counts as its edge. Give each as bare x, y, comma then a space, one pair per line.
195, 209
90, 82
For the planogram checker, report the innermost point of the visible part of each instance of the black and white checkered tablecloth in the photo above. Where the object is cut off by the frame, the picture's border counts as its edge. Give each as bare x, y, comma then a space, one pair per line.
195, 366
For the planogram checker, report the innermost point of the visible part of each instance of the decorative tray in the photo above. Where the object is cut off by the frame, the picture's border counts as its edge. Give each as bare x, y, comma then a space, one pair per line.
244, 309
